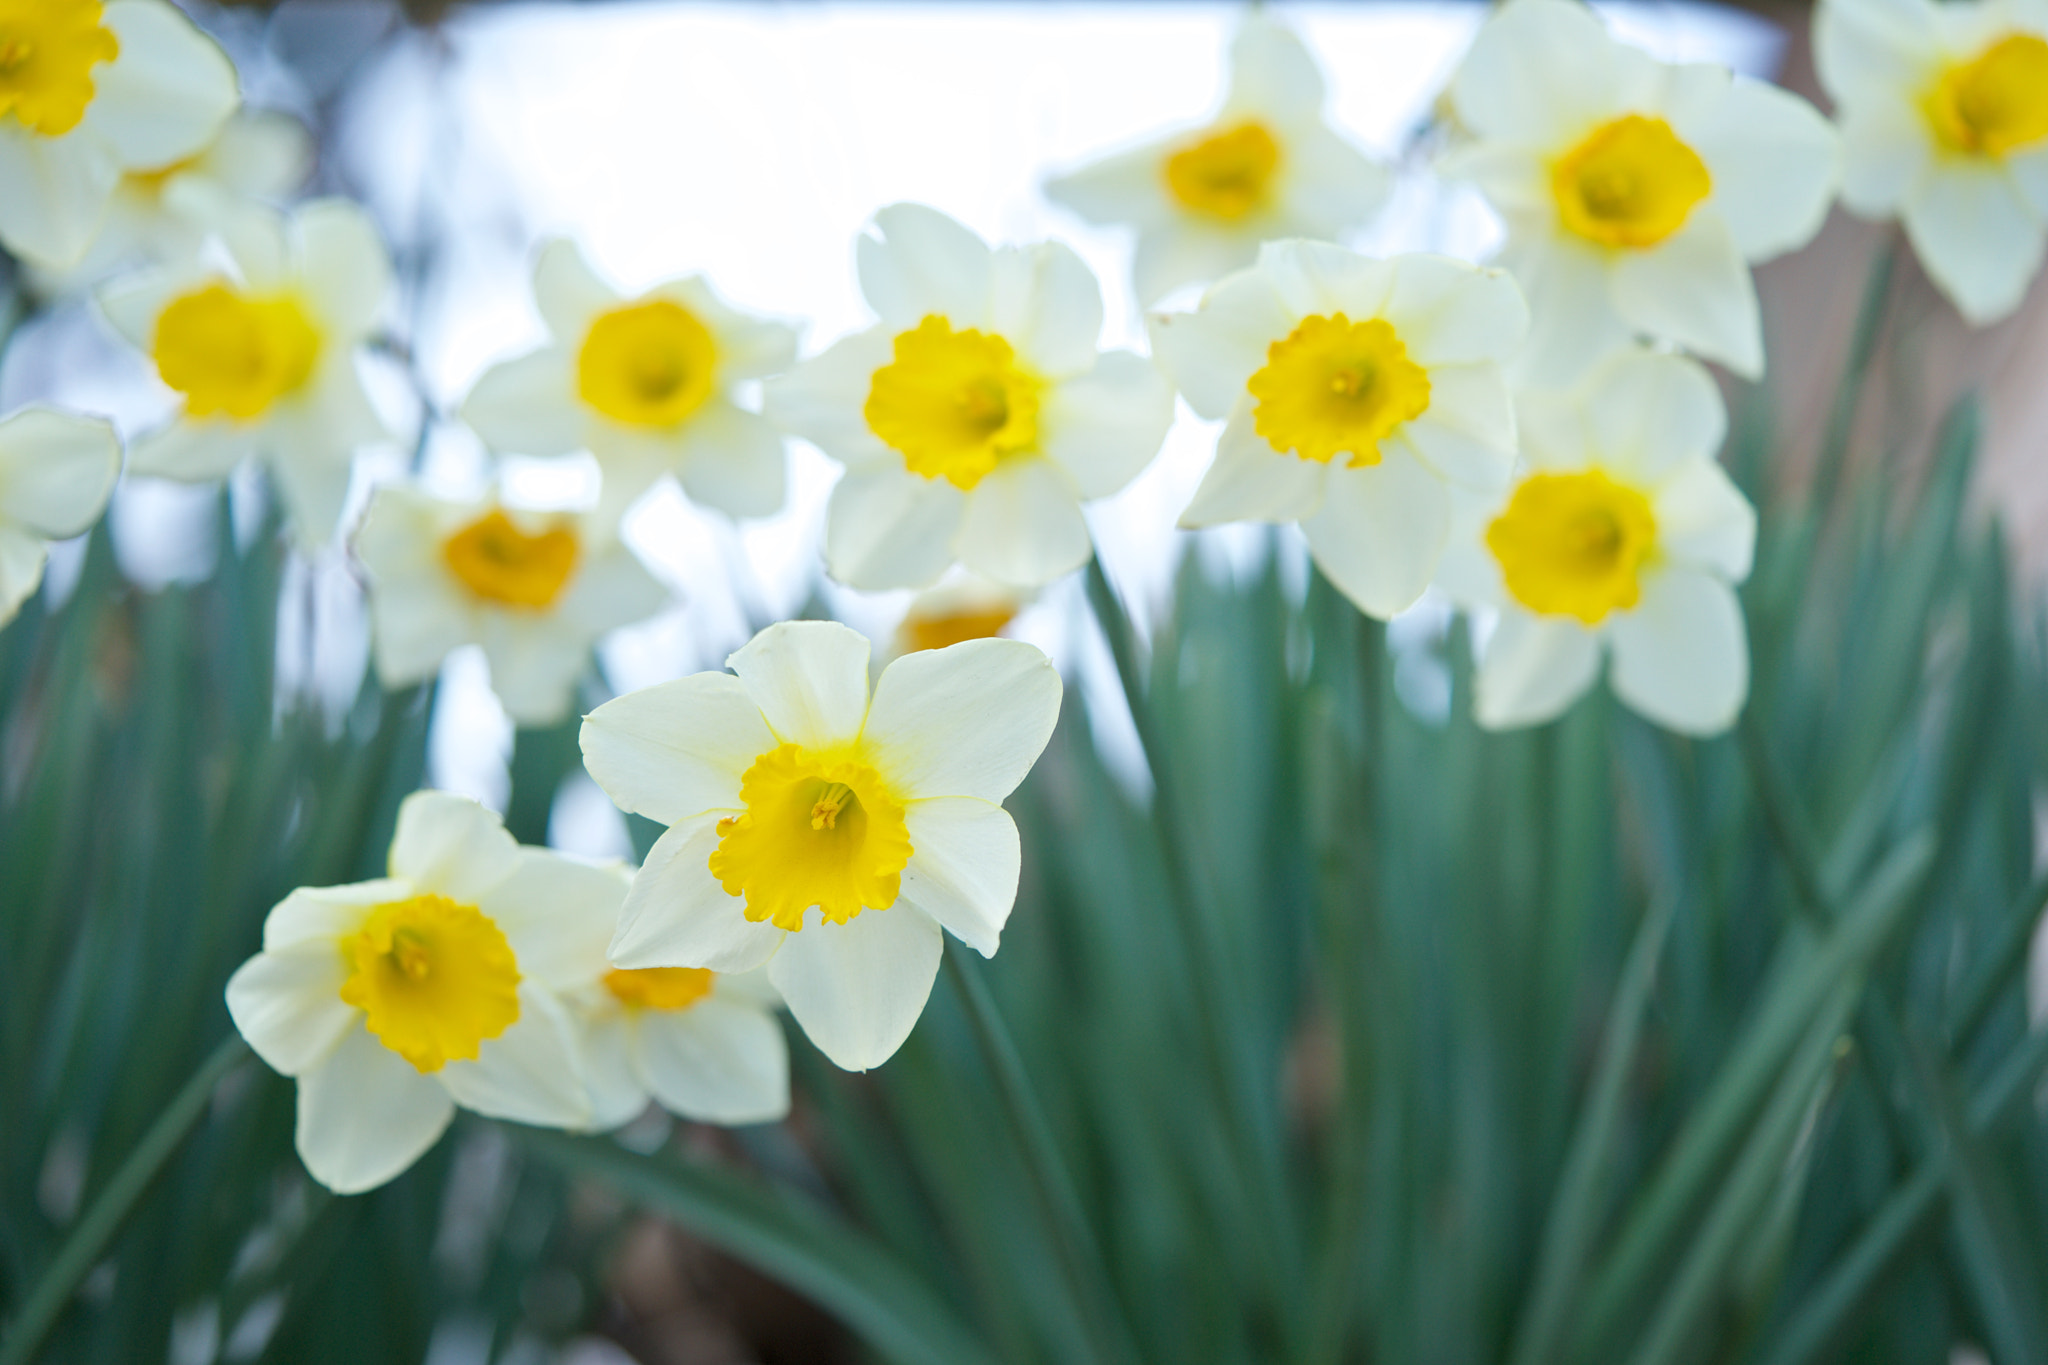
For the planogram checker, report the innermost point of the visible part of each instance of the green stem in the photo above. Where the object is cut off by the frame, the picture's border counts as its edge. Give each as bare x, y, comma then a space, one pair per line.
1059, 1201
88, 1240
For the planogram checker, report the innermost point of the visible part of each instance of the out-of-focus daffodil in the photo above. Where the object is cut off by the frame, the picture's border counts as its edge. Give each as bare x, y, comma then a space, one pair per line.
56, 473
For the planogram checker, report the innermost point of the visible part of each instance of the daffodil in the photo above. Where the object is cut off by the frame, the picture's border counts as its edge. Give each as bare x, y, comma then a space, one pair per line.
162, 213
788, 789
88, 92
965, 607
1636, 194
1944, 117
56, 473
262, 354
535, 589
393, 1001
1356, 394
1267, 166
977, 417
1621, 539
705, 1046
644, 384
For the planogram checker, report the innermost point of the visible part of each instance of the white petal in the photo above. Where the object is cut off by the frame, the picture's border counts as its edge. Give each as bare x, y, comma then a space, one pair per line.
858, 988
1129, 187
1775, 163
822, 400
1539, 71
810, 679
191, 451
346, 271
53, 193
1211, 354
451, 845
1187, 251
260, 153
924, 263
1572, 319
1104, 426
1330, 187
1513, 177
528, 1073
964, 872
1535, 667
617, 1094
56, 471
1047, 305
677, 914
733, 460
1272, 73
1694, 288
22, 558
558, 914
1447, 312
612, 588
534, 664
1704, 521
1870, 51
257, 236
968, 720
716, 1062
529, 406
1454, 455
1250, 481
1022, 525
1318, 277
676, 749
365, 1115
1977, 236
889, 528
287, 1005
1380, 532
1681, 657
168, 93
327, 914
314, 490
1647, 412
2029, 172
568, 292
413, 628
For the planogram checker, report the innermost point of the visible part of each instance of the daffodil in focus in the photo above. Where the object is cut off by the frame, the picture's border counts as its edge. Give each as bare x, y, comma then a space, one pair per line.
1636, 194
826, 832
261, 351
977, 417
645, 384
88, 92
535, 589
56, 473
1356, 395
705, 1046
393, 1001
1944, 117
1266, 167
162, 213
1621, 539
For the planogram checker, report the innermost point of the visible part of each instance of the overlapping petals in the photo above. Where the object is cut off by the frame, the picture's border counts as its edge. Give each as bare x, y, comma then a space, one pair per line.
56, 473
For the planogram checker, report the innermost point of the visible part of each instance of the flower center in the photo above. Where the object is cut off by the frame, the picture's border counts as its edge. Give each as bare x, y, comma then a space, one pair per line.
659, 988
1227, 174
820, 828
1997, 102
953, 403
500, 563
433, 978
228, 352
1333, 386
1630, 183
951, 628
647, 364
48, 49
1574, 544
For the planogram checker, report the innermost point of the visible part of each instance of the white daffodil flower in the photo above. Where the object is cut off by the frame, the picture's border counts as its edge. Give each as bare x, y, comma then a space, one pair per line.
1266, 167
56, 473
88, 92
1623, 539
1357, 394
788, 788
1636, 194
645, 385
535, 589
706, 1047
393, 1001
261, 349
162, 214
1944, 116
977, 417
